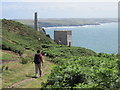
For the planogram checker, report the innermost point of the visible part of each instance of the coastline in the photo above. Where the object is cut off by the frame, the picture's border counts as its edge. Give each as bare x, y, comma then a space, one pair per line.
74, 26
79, 32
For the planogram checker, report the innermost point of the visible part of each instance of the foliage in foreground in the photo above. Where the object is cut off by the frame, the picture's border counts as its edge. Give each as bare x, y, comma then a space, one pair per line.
82, 70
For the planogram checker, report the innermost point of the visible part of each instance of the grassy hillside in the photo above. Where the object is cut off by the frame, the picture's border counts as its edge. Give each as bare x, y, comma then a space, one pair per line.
82, 68
18, 37
19, 43
64, 67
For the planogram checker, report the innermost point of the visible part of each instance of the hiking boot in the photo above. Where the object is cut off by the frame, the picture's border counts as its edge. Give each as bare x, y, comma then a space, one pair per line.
34, 77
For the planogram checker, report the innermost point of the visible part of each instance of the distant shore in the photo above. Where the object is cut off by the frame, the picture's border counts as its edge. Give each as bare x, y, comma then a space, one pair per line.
67, 22
85, 25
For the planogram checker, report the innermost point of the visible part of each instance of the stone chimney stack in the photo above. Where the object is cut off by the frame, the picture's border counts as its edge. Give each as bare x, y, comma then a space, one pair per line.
36, 22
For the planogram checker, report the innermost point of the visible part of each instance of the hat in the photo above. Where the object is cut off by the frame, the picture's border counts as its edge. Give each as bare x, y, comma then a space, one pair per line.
38, 51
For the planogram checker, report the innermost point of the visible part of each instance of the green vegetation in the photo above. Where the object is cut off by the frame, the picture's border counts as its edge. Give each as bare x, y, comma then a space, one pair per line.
82, 68
55, 53
18, 37
19, 44
72, 67
8, 56
17, 72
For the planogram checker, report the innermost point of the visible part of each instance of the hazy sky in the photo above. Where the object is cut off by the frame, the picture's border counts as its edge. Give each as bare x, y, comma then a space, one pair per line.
59, 0
25, 10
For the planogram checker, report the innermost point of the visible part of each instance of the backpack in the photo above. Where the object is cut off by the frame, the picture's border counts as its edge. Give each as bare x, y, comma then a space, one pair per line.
37, 59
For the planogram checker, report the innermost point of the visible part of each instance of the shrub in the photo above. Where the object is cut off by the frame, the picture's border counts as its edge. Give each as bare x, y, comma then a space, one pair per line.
85, 72
25, 60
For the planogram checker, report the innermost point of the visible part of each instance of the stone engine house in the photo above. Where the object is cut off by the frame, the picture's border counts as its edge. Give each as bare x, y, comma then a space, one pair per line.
63, 37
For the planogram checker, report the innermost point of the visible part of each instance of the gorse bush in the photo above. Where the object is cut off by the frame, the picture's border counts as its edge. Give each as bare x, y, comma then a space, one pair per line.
83, 71
26, 60
82, 68
64, 51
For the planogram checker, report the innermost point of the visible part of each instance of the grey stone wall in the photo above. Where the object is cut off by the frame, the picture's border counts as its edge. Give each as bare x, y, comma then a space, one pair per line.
63, 37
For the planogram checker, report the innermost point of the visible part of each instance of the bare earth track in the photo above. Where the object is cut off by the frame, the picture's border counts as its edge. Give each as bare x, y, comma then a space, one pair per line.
30, 79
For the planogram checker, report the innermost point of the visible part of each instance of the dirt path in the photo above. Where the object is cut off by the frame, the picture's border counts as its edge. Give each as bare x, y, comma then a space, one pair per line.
10, 52
14, 57
8, 61
30, 79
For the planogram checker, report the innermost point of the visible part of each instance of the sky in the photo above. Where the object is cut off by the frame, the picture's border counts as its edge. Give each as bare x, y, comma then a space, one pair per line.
60, 0
24, 9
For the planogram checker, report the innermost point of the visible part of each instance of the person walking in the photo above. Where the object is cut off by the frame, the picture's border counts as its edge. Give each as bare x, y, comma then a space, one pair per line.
38, 60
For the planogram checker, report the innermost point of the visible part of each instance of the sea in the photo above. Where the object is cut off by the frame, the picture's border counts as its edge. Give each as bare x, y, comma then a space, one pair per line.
101, 38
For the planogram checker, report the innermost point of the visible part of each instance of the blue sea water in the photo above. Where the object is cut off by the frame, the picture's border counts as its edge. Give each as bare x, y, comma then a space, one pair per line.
99, 38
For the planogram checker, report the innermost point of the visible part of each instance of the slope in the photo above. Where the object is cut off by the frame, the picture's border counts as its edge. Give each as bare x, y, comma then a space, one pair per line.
76, 67
18, 37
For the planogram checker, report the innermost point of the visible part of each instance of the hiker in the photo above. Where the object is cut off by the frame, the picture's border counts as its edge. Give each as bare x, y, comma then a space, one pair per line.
38, 60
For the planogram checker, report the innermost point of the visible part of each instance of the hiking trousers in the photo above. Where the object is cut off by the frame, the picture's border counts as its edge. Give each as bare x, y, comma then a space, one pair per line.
38, 68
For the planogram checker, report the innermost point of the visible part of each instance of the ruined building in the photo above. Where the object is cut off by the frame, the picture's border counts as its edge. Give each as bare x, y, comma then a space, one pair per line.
63, 37
60, 37
36, 24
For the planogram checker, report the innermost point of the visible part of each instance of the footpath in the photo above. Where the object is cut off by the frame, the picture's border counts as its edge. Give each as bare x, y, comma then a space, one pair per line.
21, 75
34, 82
